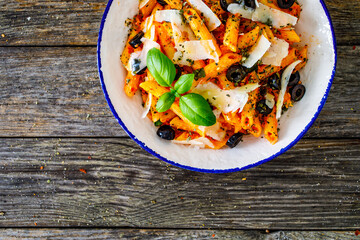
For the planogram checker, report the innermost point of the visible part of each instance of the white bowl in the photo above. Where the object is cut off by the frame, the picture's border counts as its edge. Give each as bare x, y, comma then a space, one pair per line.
316, 30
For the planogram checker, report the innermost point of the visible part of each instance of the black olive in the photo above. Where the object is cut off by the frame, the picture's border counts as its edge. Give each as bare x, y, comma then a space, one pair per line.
294, 79
250, 3
297, 92
224, 5
236, 73
136, 67
135, 42
263, 108
274, 82
142, 71
263, 91
166, 132
162, 2
285, 4
178, 72
234, 140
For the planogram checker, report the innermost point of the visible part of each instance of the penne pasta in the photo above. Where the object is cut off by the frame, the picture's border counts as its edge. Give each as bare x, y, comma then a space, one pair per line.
199, 28
148, 8
249, 38
303, 56
270, 127
213, 70
175, 4
131, 84
232, 32
248, 115
288, 35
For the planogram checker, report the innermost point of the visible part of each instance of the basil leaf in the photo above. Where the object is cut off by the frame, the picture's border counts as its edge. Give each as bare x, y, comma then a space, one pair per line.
165, 101
197, 110
184, 83
161, 67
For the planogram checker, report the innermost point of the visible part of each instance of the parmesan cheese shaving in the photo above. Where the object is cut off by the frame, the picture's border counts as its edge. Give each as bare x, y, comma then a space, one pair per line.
284, 83
264, 14
278, 50
214, 131
177, 23
147, 106
190, 51
270, 100
241, 9
226, 100
212, 21
274, 17
148, 23
257, 51
143, 3
201, 142
137, 60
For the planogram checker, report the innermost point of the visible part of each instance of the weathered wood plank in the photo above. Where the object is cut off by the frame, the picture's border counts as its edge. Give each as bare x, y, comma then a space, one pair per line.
313, 186
159, 234
60, 22
56, 92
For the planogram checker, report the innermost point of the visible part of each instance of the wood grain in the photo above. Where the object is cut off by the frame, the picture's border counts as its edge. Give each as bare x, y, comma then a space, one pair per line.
62, 22
159, 234
313, 186
56, 92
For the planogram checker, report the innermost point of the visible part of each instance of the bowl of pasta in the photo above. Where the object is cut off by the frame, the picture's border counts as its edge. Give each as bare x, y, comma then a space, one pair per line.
216, 85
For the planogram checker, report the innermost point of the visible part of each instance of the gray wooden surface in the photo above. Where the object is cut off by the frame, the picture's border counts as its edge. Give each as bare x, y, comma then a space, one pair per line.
65, 162
165, 234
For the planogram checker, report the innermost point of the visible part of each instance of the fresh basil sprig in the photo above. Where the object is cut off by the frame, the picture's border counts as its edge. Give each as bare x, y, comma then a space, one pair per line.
194, 107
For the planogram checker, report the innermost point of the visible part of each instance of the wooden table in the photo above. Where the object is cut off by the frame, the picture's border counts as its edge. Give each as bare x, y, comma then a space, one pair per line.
68, 170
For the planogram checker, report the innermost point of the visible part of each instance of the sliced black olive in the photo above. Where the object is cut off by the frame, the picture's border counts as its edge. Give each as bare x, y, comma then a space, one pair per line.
250, 3
224, 5
234, 140
136, 41
297, 92
166, 132
274, 82
263, 108
178, 72
136, 67
236, 73
162, 2
285, 4
142, 71
294, 79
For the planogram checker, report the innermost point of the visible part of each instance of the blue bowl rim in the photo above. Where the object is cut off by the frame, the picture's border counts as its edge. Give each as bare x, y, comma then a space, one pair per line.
143, 145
